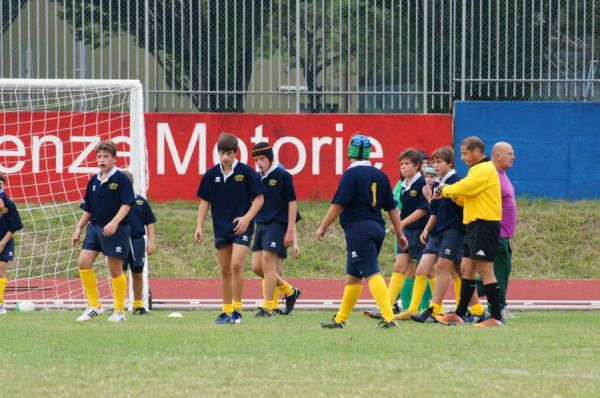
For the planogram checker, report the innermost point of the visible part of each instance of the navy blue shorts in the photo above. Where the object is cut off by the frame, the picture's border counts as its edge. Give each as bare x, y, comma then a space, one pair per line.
446, 244
269, 237
8, 253
415, 246
112, 246
231, 238
363, 243
137, 256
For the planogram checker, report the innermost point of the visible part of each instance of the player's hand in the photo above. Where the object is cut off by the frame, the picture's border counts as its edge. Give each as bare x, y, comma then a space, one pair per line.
427, 192
242, 225
288, 239
199, 235
150, 248
110, 229
75, 237
392, 230
296, 250
438, 194
424, 236
320, 233
402, 242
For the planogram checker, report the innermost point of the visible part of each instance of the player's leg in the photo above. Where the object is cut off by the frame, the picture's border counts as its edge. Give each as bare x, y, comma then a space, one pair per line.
90, 249
424, 269
136, 262
238, 254
352, 292
502, 269
401, 267
3, 265
269, 265
119, 287
224, 259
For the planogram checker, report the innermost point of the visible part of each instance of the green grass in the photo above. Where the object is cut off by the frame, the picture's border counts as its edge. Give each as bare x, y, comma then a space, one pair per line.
537, 355
555, 239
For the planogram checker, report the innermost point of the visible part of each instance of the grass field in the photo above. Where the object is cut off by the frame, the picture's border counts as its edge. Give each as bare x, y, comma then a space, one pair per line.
536, 355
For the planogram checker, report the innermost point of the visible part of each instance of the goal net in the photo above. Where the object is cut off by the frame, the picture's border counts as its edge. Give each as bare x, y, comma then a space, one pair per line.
49, 131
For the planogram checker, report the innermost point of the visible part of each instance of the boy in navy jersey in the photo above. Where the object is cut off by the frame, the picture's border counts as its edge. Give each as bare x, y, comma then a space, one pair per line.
108, 199
362, 193
234, 193
141, 219
275, 230
10, 222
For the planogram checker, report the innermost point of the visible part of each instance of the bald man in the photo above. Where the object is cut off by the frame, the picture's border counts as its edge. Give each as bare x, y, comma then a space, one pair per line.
503, 157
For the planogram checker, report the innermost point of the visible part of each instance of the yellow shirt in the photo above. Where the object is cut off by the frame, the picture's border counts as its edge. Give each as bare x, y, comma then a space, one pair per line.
478, 192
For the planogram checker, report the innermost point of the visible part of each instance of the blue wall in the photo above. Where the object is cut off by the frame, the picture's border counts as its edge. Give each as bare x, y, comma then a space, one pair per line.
557, 144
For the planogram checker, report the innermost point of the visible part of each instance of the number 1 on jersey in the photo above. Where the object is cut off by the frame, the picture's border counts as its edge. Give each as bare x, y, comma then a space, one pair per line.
374, 192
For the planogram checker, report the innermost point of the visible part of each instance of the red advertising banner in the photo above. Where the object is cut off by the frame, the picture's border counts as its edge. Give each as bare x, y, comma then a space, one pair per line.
49, 156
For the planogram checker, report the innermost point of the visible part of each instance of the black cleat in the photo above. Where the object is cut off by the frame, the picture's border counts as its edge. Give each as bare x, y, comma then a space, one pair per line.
376, 314
277, 311
386, 325
333, 325
262, 313
140, 311
424, 317
290, 301
396, 308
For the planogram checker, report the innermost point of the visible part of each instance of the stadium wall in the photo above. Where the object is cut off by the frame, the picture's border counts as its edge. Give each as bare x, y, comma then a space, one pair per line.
557, 144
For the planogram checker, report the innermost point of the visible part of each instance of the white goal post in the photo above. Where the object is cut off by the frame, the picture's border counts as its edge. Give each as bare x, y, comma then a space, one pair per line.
49, 129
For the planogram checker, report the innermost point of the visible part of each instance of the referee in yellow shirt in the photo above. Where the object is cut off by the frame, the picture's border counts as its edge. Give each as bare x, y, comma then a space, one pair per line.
479, 194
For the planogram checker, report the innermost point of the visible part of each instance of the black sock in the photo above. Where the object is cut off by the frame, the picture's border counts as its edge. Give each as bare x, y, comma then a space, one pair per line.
492, 291
466, 292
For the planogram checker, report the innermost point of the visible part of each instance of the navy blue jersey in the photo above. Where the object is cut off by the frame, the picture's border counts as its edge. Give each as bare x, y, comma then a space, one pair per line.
2, 194
412, 199
279, 192
229, 197
449, 214
139, 216
10, 220
363, 191
103, 200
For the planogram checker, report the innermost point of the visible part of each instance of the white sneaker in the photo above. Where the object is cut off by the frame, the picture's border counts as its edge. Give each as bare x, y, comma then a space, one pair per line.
2, 309
507, 314
117, 316
90, 313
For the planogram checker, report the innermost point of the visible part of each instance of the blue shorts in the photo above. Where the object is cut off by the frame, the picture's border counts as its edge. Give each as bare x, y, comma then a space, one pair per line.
111, 246
446, 244
269, 237
415, 246
363, 243
137, 256
8, 253
231, 238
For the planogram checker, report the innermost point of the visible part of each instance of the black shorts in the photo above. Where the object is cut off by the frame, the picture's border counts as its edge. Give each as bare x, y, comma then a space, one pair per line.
481, 240
137, 256
269, 237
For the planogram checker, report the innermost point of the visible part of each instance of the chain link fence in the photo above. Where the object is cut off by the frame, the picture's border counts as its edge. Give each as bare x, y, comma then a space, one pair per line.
352, 56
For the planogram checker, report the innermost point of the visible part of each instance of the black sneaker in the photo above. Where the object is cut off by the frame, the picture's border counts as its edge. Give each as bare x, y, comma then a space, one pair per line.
373, 314
396, 308
386, 325
290, 301
262, 313
140, 311
424, 317
277, 311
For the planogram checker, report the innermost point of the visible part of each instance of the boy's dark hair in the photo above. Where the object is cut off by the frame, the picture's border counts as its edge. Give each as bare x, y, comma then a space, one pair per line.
472, 143
423, 154
2, 178
444, 153
107, 146
227, 142
413, 156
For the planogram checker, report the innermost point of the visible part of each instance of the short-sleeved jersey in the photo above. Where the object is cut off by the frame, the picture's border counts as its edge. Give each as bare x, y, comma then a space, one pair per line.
10, 220
363, 192
140, 215
229, 197
412, 199
279, 192
104, 199
449, 214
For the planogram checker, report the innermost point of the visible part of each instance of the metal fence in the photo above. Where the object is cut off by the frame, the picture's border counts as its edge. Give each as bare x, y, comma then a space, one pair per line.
366, 56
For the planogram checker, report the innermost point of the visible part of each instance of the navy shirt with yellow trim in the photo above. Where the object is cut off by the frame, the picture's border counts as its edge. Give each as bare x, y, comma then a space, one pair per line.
140, 215
104, 199
10, 220
362, 192
229, 197
279, 192
412, 199
449, 214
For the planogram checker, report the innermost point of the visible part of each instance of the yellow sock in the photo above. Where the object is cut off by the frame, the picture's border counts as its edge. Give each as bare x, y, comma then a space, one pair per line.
417, 293
477, 309
432, 285
237, 305
381, 296
275, 299
396, 284
457, 284
119, 287
227, 308
437, 309
2, 288
286, 289
268, 305
138, 303
90, 286
349, 299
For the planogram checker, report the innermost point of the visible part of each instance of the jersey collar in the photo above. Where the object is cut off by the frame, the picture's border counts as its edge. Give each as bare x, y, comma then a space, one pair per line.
273, 167
110, 174
360, 163
448, 175
226, 176
407, 184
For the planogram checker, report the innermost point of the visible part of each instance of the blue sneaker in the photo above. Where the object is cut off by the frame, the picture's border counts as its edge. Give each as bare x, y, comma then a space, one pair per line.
223, 319
236, 317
